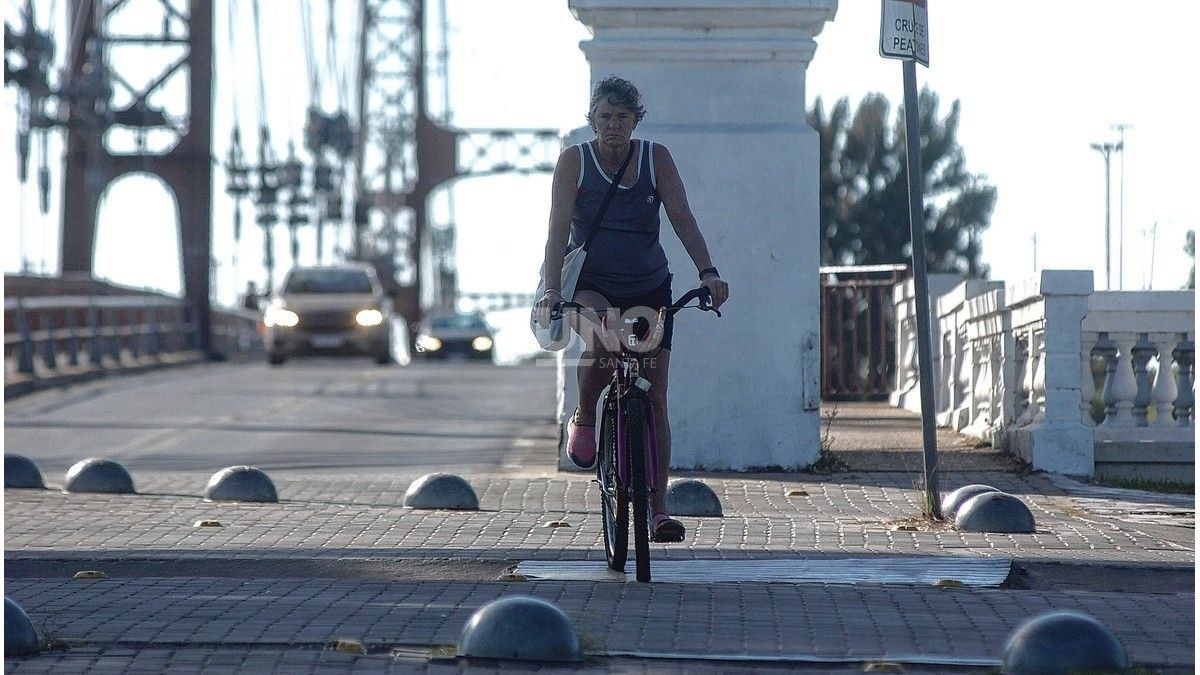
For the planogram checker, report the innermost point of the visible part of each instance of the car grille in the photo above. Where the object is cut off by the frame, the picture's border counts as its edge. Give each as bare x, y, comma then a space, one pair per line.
324, 319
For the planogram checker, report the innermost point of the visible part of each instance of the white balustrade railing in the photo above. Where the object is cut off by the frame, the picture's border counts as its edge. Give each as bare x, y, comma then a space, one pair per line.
1069, 380
1146, 341
987, 332
957, 362
906, 393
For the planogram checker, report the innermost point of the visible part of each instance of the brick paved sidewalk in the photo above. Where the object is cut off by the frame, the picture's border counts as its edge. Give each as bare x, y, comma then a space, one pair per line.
149, 614
797, 622
363, 517
339, 557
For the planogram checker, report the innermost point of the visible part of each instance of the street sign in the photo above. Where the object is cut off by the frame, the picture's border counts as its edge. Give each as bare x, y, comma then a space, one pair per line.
904, 31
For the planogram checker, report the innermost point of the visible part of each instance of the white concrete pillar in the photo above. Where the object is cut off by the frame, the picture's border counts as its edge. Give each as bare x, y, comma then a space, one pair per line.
723, 86
1058, 441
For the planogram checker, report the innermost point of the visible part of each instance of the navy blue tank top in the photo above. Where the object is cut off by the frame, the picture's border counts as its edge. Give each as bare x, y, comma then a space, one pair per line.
625, 258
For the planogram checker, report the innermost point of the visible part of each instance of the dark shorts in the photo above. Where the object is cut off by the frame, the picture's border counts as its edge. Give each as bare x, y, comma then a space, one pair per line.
655, 299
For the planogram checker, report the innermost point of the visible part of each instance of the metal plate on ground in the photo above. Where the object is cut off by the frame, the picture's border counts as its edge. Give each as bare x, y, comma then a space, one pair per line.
910, 570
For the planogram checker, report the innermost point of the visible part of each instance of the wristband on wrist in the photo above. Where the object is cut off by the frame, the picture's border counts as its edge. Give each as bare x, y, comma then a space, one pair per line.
708, 270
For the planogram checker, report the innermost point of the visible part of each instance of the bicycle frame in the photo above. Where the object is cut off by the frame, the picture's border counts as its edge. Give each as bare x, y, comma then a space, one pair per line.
616, 453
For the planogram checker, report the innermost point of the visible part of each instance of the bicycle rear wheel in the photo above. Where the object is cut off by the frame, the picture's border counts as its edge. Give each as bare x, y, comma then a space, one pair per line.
635, 444
614, 506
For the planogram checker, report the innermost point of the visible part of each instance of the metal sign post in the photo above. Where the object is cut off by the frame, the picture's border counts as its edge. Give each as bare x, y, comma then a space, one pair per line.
904, 34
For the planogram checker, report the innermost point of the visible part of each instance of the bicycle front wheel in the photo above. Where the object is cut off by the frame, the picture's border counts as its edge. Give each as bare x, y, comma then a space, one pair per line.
614, 505
635, 444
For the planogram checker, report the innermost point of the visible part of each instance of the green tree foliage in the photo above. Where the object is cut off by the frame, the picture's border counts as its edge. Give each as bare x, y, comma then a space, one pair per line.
864, 187
1189, 247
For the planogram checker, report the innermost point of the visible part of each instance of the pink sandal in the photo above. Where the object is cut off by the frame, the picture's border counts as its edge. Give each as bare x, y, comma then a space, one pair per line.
581, 443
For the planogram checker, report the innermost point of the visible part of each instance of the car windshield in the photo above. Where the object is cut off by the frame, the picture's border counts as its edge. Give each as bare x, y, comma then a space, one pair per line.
328, 281
458, 322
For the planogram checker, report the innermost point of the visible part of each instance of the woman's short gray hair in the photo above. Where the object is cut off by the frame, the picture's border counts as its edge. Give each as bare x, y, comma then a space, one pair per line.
617, 91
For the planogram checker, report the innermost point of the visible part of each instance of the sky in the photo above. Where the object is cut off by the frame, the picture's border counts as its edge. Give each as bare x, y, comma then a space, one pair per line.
1038, 83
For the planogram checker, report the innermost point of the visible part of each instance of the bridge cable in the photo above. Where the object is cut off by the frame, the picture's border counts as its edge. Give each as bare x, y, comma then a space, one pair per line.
266, 157
262, 91
314, 78
236, 161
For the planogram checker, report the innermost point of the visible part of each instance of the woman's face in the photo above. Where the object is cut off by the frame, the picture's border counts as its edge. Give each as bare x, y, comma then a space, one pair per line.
614, 124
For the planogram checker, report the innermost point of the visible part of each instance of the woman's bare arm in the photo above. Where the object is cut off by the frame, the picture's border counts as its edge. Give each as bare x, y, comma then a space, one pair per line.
562, 201
674, 198
563, 190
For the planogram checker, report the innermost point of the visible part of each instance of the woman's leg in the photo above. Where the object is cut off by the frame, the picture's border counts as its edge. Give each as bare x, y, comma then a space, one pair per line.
656, 369
596, 364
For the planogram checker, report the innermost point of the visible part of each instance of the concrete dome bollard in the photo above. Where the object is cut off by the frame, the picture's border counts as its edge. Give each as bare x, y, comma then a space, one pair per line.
954, 500
689, 497
240, 484
21, 472
99, 475
1063, 642
441, 491
521, 628
20, 637
994, 512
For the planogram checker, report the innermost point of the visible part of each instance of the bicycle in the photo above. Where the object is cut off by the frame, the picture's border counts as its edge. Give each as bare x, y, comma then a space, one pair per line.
627, 436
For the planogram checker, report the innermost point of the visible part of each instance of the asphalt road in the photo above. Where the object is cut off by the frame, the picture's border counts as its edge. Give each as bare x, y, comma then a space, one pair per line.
322, 414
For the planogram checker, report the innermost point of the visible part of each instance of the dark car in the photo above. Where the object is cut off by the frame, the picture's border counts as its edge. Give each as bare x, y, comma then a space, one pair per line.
448, 333
337, 309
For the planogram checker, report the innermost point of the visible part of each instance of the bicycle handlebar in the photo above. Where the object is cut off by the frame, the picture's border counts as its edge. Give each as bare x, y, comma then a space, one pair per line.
701, 294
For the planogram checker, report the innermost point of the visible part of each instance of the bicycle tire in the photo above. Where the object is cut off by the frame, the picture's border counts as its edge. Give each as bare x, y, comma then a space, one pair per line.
614, 505
635, 444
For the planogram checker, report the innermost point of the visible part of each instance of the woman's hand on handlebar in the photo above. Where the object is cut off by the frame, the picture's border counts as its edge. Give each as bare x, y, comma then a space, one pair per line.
545, 305
718, 289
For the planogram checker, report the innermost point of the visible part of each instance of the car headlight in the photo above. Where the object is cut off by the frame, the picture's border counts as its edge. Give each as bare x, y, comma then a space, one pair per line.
278, 316
369, 317
428, 343
481, 343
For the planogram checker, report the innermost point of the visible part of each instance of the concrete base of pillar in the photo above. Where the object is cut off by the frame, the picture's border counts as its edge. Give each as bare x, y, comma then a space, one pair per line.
1058, 447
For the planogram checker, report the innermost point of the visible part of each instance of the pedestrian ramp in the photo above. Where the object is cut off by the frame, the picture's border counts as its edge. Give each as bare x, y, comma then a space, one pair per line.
877, 570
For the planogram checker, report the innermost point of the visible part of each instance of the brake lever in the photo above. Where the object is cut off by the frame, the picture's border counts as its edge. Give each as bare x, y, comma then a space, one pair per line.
705, 303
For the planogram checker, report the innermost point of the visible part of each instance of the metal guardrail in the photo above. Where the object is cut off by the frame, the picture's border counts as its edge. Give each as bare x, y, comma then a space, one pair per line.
50, 337
858, 336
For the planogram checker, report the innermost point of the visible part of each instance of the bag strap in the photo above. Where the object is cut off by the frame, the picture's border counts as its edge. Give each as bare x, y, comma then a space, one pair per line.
608, 196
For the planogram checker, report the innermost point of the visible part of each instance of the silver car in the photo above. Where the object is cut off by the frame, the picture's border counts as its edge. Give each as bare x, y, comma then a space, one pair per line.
337, 309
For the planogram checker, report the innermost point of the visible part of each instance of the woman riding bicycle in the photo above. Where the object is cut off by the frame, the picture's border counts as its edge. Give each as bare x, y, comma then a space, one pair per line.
625, 265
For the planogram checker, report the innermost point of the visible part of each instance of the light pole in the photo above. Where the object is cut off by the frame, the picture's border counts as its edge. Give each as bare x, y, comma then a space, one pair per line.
1107, 149
1120, 128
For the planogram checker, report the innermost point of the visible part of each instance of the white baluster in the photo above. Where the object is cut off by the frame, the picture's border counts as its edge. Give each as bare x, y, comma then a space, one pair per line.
981, 389
996, 395
1037, 393
1185, 361
1107, 350
962, 376
1024, 377
1142, 352
1165, 390
945, 385
1124, 386
911, 366
1087, 382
